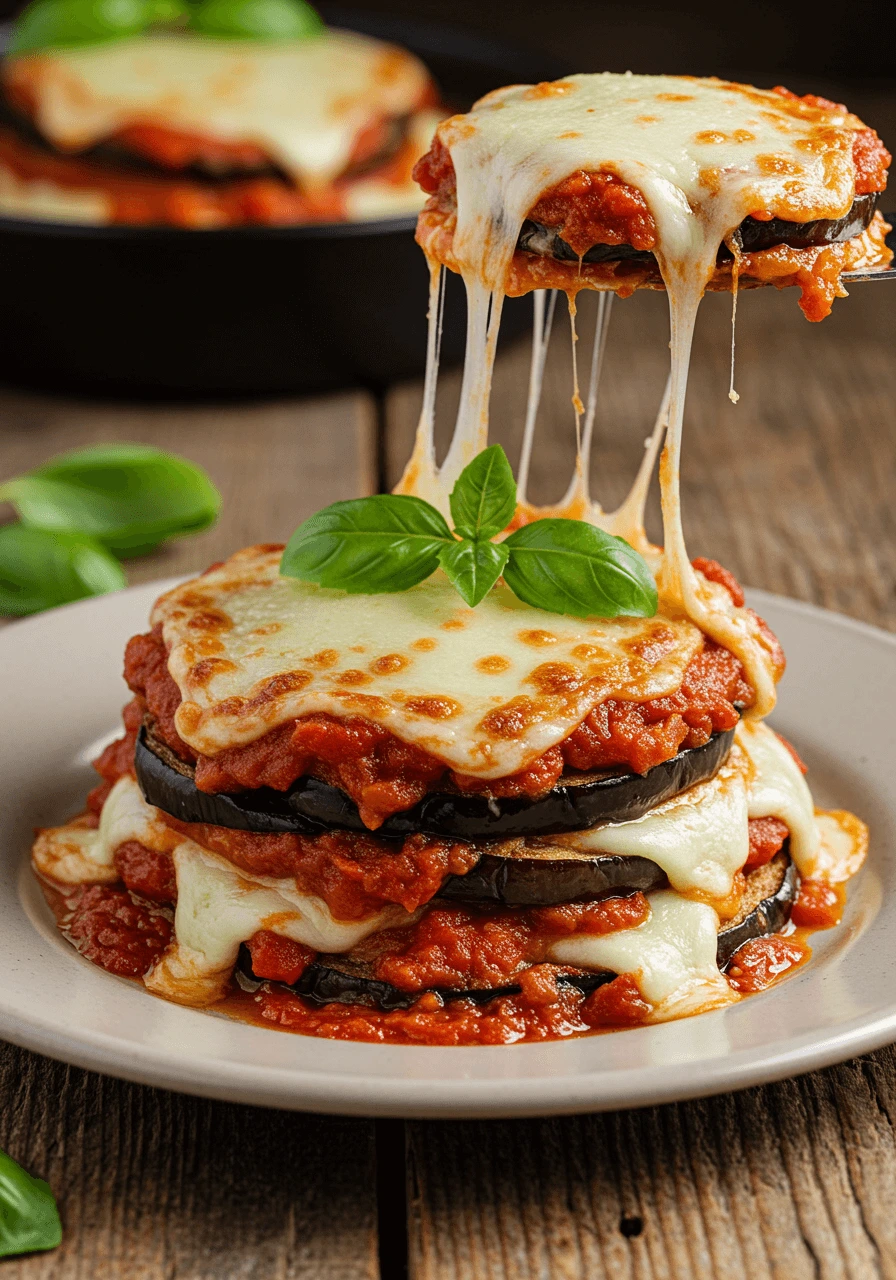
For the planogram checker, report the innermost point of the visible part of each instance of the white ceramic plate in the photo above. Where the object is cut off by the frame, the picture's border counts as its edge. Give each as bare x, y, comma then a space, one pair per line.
61, 695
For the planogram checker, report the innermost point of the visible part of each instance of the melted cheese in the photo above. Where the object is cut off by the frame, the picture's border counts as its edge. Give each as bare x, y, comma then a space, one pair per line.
672, 955
303, 102
485, 689
219, 907
76, 854
705, 154
699, 838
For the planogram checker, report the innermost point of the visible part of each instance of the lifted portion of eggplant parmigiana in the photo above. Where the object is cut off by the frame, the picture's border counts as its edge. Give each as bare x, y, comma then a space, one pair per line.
617, 182
410, 820
418, 821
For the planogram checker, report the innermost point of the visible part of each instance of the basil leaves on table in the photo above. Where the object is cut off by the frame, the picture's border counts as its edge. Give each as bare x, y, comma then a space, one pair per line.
39, 570
60, 24
130, 497
82, 509
391, 542
29, 1219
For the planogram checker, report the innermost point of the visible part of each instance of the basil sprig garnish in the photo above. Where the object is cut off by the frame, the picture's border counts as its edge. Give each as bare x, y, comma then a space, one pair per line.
29, 1219
61, 24
390, 542
82, 509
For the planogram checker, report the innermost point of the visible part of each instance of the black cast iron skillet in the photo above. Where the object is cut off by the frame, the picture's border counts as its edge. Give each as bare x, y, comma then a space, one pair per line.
166, 312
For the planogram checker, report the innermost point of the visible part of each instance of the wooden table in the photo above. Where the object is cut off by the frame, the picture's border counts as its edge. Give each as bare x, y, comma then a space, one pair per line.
793, 490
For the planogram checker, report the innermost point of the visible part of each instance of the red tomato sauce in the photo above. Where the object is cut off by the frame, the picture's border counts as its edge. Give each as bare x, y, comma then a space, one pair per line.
762, 961
431, 1021
457, 948
114, 929
767, 835
146, 871
818, 905
356, 875
384, 775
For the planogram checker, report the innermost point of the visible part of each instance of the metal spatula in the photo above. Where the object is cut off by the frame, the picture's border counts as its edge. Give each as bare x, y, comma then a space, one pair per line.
876, 273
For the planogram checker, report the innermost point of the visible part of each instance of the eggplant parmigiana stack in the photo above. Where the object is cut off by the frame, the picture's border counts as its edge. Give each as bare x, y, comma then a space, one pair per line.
475, 824
409, 820
179, 129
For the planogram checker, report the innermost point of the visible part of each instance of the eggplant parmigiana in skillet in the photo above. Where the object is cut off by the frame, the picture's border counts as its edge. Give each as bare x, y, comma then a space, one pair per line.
180, 129
406, 819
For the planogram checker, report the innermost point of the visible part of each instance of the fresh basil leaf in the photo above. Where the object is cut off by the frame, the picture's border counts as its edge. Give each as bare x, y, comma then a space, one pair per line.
39, 569
388, 542
473, 567
256, 19
130, 497
483, 500
569, 566
48, 24
29, 1219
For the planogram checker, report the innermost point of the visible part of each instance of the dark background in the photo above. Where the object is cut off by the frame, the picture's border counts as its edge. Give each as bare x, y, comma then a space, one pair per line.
841, 48
834, 40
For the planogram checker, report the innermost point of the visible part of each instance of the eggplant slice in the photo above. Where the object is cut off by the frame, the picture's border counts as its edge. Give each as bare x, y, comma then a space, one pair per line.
752, 236
311, 807
341, 979
552, 876
770, 893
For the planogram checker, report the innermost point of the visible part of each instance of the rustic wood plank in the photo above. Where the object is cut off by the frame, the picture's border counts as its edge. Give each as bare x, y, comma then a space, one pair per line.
156, 1186
792, 1181
275, 463
152, 1185
792, 489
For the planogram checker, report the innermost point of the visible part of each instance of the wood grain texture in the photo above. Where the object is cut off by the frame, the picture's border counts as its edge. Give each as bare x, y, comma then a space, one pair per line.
275, 463
156, 1186
789, 1182
153, 1185
792, 489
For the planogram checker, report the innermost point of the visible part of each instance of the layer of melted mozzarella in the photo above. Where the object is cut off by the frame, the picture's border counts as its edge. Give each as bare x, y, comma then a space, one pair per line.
672, 956
218, 906
699, 838
485, 689
76, 854
304, 102
705, 154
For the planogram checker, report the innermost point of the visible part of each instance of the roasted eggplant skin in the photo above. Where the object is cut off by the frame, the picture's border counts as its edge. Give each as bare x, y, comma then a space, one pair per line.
328, 980
770, 915
311, 806
547, 882
339, 980
751, 236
